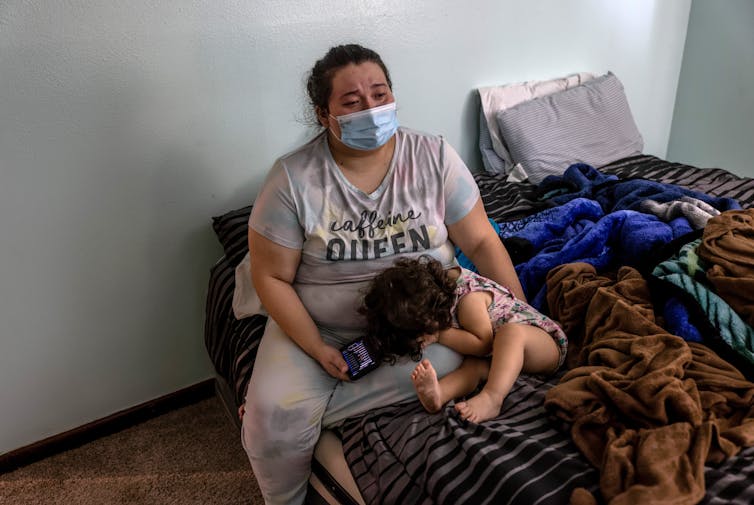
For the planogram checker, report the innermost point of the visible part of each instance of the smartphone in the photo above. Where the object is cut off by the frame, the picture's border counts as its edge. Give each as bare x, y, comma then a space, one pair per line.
360, 361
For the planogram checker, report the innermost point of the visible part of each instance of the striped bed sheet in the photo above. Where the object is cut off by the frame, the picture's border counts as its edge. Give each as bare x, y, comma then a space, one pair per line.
401, 454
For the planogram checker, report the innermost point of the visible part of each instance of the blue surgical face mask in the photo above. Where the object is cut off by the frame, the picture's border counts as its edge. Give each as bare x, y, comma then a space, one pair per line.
368, 129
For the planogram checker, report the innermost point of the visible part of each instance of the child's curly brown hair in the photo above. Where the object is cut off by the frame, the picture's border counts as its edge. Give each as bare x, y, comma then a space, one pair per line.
403, 302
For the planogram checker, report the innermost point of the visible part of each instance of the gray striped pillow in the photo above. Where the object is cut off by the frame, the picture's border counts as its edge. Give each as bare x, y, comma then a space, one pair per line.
590, 123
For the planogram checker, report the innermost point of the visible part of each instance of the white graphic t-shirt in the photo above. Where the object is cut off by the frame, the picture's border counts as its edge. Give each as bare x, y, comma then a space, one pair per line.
347, 236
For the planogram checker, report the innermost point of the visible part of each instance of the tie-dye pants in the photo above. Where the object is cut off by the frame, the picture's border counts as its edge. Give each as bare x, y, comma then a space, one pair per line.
290, 397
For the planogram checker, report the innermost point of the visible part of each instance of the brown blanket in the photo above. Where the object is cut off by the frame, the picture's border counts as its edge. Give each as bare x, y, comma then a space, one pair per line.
646, 408
728, 246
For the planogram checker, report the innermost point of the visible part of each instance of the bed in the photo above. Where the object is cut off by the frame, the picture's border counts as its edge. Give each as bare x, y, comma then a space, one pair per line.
646, 263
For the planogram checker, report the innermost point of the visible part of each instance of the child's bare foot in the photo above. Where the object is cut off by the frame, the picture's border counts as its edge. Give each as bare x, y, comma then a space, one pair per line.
427, 387
480, 408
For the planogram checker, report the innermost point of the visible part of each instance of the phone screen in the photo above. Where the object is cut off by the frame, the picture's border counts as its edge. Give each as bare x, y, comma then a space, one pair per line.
359, 361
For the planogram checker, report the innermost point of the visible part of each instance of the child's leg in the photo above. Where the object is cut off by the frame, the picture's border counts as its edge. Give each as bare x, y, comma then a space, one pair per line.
517, 348
434, 393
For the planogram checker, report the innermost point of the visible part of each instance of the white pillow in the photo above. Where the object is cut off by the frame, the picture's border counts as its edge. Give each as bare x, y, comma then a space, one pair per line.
246, 302
498, 98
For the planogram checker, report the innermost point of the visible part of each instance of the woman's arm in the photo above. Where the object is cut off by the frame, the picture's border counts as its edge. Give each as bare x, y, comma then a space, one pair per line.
273, 268
477, 239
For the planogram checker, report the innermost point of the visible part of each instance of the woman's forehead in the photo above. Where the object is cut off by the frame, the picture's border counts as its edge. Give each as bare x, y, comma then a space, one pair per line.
355, 77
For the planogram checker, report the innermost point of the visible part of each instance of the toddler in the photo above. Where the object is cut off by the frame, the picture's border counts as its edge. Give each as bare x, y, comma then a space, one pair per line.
417, 302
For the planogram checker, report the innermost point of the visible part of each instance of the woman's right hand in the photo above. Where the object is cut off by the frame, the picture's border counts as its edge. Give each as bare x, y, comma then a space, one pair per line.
332, 361
273, 268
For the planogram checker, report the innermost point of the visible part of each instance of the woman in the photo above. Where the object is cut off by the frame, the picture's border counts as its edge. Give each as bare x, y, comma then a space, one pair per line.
330, 216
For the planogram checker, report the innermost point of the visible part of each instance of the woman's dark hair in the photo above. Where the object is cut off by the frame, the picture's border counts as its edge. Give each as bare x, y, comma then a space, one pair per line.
319, 82
403, 302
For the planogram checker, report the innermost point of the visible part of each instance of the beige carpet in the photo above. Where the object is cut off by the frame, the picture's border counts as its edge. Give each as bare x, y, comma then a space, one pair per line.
189, 456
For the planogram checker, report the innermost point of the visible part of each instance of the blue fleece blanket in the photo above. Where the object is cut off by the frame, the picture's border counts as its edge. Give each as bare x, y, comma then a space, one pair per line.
579, 230
596, 221
584, 181
579, 233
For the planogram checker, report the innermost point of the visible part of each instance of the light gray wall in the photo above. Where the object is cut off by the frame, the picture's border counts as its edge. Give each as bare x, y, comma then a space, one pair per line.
713, 123
125, 125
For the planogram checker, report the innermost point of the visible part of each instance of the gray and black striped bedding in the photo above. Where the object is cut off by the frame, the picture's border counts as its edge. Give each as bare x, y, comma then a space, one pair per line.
400, 454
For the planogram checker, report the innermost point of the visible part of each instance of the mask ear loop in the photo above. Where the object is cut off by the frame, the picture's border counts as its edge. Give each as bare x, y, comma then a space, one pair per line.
329, 128
333, 133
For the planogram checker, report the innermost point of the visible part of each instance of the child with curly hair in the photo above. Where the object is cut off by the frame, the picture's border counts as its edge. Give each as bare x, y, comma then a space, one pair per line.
416, 303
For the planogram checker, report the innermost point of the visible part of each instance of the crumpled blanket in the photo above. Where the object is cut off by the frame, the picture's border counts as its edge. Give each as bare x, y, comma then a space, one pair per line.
580, 231
645, 407
584, 181
686, 270
728, 247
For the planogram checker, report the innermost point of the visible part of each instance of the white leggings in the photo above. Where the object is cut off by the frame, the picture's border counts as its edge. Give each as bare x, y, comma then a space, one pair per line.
290, 397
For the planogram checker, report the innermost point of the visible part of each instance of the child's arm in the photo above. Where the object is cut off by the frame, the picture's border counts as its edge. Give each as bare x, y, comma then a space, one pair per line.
475, 335
464, 342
